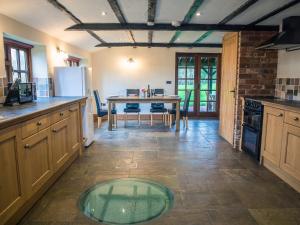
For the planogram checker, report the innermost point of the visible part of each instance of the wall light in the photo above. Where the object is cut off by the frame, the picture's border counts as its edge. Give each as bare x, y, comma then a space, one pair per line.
63, 55
131, 61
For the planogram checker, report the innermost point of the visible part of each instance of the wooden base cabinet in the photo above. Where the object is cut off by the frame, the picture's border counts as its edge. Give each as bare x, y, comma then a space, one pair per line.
74, 128
60, 143
37, 156
290, 155
280, 145
12, 192
33, 154
272, 134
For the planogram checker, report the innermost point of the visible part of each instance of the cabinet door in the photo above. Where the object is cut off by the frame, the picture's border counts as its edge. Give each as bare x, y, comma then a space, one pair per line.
74, 127
37, 160
272, 134
60, 146
290, 155
12, 194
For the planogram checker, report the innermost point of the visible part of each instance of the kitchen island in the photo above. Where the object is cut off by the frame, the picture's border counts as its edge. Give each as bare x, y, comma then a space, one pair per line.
38, 141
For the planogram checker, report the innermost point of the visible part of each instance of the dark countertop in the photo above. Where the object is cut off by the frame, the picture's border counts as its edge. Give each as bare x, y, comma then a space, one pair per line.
281, 103
10, 115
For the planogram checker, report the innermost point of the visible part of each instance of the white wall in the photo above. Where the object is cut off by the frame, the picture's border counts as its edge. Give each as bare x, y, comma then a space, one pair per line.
112, 75
288, 64
11, 27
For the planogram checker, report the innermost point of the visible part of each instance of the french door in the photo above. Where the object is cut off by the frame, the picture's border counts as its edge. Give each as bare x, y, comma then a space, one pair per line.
199, 73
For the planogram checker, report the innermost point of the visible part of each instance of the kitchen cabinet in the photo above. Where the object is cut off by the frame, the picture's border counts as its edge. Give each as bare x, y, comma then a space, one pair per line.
37, 156
60, 143
272, 136
12, 193
74, 128
290, 155
280, 143
34, 153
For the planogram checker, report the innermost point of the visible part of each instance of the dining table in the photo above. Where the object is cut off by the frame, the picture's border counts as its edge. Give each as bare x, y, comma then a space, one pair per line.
175, 99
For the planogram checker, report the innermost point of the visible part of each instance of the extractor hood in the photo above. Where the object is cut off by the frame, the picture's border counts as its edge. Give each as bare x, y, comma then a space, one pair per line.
288, 38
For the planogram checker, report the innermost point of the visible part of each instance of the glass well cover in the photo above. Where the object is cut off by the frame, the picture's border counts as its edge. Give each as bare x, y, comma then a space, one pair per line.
126, 201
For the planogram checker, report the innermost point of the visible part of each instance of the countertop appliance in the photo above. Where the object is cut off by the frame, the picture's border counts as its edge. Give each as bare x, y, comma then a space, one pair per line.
19, 93
252, 127
76, 81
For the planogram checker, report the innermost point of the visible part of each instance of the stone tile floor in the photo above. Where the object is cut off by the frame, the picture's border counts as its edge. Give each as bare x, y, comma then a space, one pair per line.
213, 184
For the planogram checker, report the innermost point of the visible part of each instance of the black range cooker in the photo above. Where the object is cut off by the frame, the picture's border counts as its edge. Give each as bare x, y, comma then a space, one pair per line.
252, 126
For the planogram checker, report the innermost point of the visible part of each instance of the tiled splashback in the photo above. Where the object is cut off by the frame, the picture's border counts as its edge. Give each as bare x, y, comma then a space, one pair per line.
288, 88
44, 87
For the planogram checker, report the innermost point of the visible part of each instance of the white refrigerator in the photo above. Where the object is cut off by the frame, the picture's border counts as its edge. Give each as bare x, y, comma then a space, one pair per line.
76, 81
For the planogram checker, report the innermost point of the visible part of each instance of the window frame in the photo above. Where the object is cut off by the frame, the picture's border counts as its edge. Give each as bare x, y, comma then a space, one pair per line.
13, 44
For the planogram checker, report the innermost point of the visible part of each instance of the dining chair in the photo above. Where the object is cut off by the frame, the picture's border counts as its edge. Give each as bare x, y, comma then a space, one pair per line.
132, 107
183, 112
103, 112
158, 107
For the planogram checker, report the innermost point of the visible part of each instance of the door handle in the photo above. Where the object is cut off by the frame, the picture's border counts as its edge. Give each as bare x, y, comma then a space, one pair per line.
232, 91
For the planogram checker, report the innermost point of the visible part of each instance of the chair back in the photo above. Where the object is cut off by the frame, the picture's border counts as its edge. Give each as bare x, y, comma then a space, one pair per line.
97, 100
132, 92
158, 91
186, 102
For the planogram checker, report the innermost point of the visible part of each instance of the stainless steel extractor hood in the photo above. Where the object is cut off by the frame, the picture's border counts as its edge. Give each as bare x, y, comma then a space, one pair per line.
288, 38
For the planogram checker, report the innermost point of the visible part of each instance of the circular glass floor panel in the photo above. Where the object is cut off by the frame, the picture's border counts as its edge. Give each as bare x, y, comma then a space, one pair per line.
126, 201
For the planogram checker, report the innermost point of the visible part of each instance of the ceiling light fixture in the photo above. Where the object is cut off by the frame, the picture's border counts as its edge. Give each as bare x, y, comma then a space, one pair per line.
103, 13
198, 14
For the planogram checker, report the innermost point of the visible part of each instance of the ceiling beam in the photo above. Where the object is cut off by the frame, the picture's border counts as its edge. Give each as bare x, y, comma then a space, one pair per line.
75, 19
276, 11
151, 17
196, 4
120, 16
166, 45
232, 15
169, 27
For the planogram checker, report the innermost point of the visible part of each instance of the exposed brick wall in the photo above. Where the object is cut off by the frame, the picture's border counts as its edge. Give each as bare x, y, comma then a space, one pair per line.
256, 72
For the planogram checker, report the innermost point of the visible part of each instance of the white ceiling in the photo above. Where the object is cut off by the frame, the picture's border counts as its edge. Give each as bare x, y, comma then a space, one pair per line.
43, 16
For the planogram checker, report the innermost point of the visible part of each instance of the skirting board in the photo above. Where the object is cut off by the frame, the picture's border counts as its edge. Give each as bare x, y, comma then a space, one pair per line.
293, 182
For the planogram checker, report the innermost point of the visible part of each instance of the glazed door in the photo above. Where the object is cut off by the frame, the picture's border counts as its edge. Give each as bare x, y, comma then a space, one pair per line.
199, 73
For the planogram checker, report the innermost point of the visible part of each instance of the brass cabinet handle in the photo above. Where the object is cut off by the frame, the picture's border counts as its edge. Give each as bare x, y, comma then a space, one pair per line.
54, 131
39, 123
296, 118
27, 146
61, 114
280, 115
72, 110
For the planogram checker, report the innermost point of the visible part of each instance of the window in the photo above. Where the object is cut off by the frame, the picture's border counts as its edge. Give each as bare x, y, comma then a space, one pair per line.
73, 61
17, 60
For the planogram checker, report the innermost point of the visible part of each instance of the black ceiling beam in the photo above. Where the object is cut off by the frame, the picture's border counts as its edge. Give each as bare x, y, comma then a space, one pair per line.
274, 12
189, 15
169, 27
75, 19
232, 15
151, 17
238, 11
166, 45
120, 16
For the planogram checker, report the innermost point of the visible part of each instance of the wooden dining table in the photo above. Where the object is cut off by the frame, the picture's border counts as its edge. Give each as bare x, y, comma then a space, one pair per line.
175, 99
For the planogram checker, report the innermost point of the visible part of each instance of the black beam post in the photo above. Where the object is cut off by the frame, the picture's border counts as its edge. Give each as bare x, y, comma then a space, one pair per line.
166, 45
151, 17
62, 8
169, 27
119, 14
274, 12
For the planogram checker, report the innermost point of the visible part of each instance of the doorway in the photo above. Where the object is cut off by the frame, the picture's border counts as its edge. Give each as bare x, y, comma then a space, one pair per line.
199, 72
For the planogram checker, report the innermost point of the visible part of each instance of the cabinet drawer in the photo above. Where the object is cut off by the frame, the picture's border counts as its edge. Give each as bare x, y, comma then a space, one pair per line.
292, 118
33, 126
60, 115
